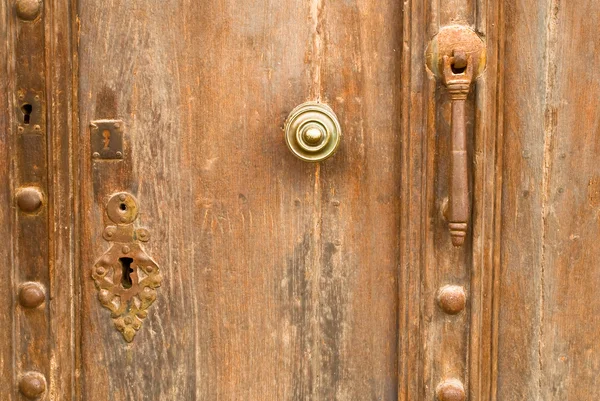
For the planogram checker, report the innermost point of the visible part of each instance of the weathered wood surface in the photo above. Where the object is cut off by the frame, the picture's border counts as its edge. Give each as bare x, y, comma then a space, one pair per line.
280, 277
548, 327
290, 281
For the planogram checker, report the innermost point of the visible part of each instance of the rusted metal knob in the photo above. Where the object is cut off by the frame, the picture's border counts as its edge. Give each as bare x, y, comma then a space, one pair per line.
312, 132
28, 9
451, 390
452, 299
29, 199
32, 385
31, 295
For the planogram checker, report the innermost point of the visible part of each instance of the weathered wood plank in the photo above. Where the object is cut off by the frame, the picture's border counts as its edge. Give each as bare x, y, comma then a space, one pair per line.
522, 202
570, 270
280, 276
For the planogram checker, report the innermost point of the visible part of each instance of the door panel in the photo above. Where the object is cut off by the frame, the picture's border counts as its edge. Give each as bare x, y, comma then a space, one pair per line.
279, 276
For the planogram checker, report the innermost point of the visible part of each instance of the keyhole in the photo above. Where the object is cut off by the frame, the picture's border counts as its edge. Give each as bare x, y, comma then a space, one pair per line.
126, 281
106, 135
26, 109
123, 207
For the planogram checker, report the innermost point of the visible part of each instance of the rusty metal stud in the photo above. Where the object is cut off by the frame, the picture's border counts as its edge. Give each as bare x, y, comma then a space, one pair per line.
451, 390
28, 9
31, 295
32, 385
312, 132
452, 299
29, 199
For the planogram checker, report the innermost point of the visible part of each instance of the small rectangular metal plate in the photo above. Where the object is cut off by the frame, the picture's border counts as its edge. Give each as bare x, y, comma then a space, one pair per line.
107, 139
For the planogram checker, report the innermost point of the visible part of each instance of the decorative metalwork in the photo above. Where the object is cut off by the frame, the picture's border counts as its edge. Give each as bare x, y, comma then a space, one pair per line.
457, 56
312, 132
126, 276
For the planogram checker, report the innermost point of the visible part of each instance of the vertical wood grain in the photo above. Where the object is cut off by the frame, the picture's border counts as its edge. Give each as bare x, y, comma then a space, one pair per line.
280, 276
569, 350
6, 265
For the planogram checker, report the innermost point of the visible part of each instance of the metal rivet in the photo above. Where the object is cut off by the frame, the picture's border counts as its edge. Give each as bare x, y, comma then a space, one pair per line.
31, 295
32, 385
452, 299
28, 9
20, 129
122, 197
451, 390
125, 249
100, 270
95, 155
37, 128
119, 154
29, 199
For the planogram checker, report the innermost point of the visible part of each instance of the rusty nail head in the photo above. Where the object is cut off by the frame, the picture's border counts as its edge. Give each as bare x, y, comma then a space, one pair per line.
451, 390
452, 299
29, 199
32, 385
28, 9
31, 295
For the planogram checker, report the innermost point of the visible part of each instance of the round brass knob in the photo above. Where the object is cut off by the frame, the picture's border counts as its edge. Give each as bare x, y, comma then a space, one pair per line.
312, 132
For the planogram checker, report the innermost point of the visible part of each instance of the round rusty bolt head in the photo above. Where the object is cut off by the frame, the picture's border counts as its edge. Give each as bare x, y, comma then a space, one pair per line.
31, 295
125, 249
451, 390
29, 199
32, 385
100, 270
28, 9
452, 299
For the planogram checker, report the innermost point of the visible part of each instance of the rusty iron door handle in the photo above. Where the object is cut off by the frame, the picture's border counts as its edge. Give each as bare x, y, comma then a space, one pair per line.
456, 56
457, 76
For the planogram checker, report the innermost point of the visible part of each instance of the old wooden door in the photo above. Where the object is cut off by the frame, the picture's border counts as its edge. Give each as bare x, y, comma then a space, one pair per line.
162, 242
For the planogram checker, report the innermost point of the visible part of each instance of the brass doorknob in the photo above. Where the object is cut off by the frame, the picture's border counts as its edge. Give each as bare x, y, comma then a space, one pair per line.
312, 132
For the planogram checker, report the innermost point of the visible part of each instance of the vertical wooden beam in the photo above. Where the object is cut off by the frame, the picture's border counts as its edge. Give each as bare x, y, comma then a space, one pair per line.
452, 345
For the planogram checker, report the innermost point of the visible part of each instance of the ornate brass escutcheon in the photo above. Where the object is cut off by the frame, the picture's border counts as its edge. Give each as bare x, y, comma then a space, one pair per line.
126, 276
